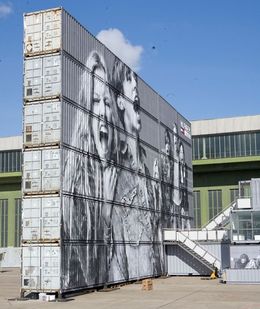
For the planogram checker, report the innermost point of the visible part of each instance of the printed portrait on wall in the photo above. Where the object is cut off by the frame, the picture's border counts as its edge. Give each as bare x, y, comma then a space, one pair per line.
115, 202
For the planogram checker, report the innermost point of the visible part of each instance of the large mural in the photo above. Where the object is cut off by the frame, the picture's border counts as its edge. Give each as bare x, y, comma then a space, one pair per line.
119, 192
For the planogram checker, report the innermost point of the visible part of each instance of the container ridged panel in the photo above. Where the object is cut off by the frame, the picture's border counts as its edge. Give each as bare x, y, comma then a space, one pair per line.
124, 168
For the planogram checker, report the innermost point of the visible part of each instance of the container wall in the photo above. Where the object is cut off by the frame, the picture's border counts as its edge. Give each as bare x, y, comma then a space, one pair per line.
90, 265
126, 158
42, 77
245, 256
41, 171
41, 219
42, 32
41, 268
180, 262
42, 123
242, 276
220, 250
117, 166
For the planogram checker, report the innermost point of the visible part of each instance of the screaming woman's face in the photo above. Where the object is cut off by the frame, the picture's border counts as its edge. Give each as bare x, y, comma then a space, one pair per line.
101, 106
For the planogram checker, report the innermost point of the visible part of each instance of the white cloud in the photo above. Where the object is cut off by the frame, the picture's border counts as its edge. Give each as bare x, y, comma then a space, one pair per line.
121, 47
5, 9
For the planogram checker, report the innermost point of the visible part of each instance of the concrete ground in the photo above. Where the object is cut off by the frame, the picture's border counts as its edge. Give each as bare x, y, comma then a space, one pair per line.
173, 292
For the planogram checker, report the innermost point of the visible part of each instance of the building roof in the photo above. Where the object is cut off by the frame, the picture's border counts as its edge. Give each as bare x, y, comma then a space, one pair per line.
226, 125
11, 143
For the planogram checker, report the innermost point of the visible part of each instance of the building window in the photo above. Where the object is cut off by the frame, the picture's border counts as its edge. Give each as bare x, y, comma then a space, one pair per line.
18, 218
10, 161
197, 209
215, 202
4, 223
233, 195
226, 145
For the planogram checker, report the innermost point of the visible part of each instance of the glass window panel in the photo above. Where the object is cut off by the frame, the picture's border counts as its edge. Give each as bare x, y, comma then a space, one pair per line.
257, 135
243, 144
232, 146
215, 202
253, 144
200, 145
197, 209
17, 222
233, 194
247, 144
4, 223
222, 146
217, 148
238, 145
227, 146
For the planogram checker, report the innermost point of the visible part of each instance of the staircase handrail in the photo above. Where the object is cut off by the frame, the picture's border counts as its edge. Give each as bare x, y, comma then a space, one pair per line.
197, 244
224, 209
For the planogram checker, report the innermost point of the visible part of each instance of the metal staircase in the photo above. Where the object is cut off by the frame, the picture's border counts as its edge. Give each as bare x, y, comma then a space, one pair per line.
193, 248
220, 220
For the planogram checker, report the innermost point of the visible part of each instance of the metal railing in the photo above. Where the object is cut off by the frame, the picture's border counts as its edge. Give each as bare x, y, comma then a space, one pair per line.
219, 218
192, 247
198, 235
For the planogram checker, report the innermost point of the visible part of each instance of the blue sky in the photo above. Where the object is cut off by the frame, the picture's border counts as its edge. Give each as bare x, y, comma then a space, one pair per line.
201, 56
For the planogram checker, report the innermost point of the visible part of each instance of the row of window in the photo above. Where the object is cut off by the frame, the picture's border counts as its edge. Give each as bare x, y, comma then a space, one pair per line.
226, 145
10, 161
214, 202
4, 223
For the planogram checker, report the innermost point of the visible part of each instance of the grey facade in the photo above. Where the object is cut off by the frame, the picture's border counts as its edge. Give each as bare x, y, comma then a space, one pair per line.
107, 163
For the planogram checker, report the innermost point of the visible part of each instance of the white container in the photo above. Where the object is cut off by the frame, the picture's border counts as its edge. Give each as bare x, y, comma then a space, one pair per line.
42, 123
41, 267
42, 77
41, 171
31, 263
41, 219
42, 32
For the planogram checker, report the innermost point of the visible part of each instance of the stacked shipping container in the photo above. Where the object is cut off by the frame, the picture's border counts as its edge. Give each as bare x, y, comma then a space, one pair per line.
107, 163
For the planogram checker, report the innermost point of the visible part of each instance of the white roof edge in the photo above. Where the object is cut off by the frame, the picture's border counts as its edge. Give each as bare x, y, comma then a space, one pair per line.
11, 143
226, 125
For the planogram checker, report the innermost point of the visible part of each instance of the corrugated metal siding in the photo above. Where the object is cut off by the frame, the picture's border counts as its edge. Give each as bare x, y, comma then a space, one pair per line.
251, 276
179, 262
220, 250
112, 204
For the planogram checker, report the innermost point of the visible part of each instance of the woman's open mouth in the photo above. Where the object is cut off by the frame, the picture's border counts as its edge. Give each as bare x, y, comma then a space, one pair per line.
103, 137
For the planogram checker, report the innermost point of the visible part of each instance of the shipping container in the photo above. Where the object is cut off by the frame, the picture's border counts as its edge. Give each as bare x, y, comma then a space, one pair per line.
41, 171
181, 262
242, 276
41, 268
42, 32
42, 123
41, 219
120, 168
42, 77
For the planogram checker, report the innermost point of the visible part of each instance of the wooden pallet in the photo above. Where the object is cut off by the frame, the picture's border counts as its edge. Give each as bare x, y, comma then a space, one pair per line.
147, 285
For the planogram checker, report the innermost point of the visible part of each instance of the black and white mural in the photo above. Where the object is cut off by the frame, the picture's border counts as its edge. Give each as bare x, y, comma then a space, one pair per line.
126, 175
245, 257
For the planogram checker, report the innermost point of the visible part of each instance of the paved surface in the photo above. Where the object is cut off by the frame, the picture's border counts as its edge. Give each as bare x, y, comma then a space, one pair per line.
174, 292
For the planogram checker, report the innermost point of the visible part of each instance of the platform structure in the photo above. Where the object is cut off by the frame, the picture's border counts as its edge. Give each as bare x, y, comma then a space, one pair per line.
230, 242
